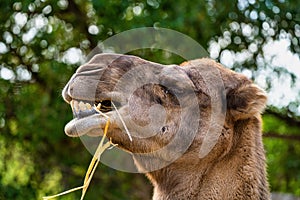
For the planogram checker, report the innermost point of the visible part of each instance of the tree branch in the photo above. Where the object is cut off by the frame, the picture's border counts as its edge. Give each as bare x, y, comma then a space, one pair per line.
79, 20
284, 117
293, 137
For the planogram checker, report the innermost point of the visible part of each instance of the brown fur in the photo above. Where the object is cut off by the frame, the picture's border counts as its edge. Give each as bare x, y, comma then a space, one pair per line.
233, 169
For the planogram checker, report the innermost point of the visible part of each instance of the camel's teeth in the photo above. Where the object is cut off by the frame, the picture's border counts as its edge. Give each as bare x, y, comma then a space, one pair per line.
98, 106
88, 106
82, 106
75, 105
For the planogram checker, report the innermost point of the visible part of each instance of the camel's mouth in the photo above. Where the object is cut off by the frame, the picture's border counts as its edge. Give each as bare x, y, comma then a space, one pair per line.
82, 109
89, 117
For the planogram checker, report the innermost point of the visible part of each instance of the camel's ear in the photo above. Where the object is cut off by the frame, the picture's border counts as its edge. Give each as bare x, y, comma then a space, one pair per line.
246, 101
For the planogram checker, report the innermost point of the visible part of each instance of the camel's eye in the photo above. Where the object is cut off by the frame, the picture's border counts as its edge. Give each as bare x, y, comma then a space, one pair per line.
165, 95
165, 90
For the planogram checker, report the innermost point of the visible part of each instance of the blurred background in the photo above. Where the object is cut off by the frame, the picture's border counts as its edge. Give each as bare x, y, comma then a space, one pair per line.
42, 42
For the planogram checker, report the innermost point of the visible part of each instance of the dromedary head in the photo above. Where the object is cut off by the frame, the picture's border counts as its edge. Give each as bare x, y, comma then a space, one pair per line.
195, 129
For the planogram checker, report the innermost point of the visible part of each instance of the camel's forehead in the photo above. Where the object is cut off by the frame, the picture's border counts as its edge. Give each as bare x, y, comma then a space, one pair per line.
114, 66
214, 73
120, 62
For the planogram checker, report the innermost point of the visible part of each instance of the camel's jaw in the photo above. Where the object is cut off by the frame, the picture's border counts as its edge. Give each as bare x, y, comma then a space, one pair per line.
88, 118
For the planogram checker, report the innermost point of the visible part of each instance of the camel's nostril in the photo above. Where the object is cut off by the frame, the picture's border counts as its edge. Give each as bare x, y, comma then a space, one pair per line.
65, 94
164, 129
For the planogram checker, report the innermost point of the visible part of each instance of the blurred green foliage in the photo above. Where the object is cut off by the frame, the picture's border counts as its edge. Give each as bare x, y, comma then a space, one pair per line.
36, 38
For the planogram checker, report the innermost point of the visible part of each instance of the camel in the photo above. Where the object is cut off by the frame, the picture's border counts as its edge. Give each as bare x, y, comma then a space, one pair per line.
195, 128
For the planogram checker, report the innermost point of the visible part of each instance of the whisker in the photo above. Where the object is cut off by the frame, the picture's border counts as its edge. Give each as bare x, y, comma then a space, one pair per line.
126, 129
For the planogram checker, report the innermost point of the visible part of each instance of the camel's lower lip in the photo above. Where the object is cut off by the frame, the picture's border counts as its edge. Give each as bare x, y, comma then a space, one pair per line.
85, 113
88, 119
91, 125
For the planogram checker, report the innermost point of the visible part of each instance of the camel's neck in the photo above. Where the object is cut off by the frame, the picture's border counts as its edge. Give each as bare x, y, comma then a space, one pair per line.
169, 184
238, 175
